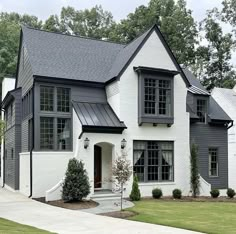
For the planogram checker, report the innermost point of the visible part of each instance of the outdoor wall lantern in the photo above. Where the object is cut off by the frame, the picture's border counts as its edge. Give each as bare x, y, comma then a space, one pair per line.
86, 143
123, 144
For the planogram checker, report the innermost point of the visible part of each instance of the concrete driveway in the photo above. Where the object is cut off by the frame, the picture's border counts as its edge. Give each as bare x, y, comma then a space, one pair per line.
18, 208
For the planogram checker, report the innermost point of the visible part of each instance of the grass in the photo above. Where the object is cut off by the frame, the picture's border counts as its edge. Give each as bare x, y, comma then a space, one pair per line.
10, 227
207, 217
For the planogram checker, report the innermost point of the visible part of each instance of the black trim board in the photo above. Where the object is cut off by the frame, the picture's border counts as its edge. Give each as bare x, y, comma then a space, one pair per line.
103, 129
155, 70
169, 51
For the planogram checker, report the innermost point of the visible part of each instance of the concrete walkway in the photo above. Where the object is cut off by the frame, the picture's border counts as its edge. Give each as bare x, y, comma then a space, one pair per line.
108, 205
20, 209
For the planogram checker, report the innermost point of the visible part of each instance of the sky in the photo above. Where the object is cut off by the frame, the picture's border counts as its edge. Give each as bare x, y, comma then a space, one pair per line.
119, 8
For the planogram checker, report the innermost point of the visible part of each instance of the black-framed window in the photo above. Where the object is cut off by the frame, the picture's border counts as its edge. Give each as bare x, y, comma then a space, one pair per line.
63, 134
213, 162
202, 110
153, 161
157, 97
46, 133
63, 100
46, 98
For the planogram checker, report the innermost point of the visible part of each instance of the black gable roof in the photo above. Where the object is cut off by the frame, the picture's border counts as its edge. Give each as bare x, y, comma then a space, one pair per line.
79, 58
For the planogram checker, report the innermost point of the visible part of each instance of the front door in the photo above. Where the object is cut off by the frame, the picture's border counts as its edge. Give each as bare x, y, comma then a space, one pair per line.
97, 167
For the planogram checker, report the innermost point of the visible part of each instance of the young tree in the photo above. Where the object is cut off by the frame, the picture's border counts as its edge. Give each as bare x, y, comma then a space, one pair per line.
122, 171
195, 178
76, 184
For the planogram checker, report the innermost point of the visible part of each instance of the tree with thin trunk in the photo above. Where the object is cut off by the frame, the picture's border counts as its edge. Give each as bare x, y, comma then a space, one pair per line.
121, 171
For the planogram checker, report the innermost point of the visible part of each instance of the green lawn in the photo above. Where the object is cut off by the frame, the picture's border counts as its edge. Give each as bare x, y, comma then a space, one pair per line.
208, 217
10, 227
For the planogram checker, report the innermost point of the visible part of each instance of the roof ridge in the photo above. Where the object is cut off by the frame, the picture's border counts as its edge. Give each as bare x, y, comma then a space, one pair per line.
76, 36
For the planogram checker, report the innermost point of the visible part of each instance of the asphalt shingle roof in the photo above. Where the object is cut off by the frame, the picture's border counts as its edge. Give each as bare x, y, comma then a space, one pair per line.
76, 58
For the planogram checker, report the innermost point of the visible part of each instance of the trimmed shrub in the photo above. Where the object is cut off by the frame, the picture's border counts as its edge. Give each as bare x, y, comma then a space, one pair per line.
135, 194
215, 193
177, 193
230, 192
157, 193
76, 185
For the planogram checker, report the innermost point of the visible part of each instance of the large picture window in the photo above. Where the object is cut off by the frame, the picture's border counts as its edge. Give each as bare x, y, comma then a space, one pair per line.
153, 161
157, 97
55, 118
213, 162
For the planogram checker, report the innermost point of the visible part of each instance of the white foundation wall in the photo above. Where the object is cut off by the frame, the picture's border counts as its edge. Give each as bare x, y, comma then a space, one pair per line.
24, 173
153, 54
8, 84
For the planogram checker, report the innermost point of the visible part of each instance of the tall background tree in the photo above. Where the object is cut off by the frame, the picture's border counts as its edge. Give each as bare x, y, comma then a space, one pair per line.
209, 59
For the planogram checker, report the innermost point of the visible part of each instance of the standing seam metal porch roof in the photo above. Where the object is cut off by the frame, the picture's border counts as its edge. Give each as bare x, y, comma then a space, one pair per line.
95, 115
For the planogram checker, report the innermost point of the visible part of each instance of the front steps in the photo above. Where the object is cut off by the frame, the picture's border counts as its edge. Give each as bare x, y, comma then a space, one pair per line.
105, 195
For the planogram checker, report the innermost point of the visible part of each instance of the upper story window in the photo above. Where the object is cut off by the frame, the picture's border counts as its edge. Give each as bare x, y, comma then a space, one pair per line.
46, 98
157, 97
63, 100
202, 110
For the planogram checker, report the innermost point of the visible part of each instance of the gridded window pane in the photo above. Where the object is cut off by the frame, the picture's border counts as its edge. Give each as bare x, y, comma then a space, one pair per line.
63, 134
164, 97
167, 165
46, 98
139, 151
201, 110
46, 133
150, 96
63, 100
213, 162
153, 161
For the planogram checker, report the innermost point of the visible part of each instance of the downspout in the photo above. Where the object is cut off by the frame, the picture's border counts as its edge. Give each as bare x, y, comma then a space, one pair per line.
3, 161
32, 147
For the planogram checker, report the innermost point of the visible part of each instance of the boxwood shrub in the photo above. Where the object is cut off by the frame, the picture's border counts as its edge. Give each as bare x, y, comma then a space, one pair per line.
157, 193
177, 193
230, 192
215, 193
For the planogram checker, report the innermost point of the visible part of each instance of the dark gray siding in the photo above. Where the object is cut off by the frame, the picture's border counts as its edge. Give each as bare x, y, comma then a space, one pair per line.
205, 136
13, 142
25, 74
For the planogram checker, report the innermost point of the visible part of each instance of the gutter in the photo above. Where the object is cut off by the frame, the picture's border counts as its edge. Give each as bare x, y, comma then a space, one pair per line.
230, 125
32, 148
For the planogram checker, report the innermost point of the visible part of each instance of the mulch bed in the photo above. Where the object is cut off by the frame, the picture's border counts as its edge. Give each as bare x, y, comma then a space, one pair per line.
120, 214
86, 204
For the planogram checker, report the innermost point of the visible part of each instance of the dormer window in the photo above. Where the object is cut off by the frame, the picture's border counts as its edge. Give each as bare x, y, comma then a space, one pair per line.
202, 110
157, 97
156, 101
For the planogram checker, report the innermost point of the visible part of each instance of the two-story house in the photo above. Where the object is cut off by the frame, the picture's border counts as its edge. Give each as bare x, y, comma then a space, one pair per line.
93, 99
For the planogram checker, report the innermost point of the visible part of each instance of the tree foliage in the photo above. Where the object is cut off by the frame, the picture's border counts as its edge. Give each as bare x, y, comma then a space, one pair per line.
194, 178
76, 184
215, 57
121, 170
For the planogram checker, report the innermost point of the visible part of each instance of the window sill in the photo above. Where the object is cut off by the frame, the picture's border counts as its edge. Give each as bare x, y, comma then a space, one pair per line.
156, 183
156, 120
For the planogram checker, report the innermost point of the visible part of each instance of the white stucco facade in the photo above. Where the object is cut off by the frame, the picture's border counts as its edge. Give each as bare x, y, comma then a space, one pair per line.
226, 98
